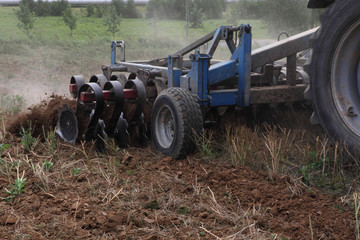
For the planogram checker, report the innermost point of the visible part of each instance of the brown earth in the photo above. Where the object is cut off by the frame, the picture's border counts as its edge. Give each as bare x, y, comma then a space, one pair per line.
39, 117
139, 194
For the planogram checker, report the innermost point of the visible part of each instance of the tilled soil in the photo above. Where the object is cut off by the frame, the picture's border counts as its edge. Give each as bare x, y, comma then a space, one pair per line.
150, 198
139, 194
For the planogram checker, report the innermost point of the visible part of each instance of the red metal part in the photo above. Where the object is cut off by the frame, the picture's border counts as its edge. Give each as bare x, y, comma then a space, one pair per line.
108, 95
72, 88
130, 94
87, 97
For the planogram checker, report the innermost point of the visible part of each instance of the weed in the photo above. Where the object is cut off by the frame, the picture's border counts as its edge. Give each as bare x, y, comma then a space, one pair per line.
307, 171
357, 211
113, 148
11, 105
240, 143
50, 140
274, 146
76, 171
3, 147
202, 234
17, 188
184, 210
228, 197
339, 207
322, 167
132, 172
275, 236
39, 172
28, 141
153, 204
203, 142
47, 165
3, 129
197, 188
3, 164
7, 166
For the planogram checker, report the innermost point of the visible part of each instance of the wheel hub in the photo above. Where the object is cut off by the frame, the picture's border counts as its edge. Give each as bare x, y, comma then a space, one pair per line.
165, 127
345, 78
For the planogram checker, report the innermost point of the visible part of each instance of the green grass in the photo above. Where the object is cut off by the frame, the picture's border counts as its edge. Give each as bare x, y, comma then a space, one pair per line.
53, 30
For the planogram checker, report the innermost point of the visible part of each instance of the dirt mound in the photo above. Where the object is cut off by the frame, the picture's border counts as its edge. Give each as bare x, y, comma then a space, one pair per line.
283, 206
147, 197
39, 117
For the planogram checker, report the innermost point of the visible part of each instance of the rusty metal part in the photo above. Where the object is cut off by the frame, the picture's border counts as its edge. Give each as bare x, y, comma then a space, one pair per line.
277, 94
148, 74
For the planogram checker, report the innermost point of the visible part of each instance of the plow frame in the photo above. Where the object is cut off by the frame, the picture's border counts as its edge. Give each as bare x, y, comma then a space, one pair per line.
179, 91
201, 72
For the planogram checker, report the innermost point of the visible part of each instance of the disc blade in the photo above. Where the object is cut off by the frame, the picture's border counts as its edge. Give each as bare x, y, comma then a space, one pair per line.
100, 137
121, 135
67, 125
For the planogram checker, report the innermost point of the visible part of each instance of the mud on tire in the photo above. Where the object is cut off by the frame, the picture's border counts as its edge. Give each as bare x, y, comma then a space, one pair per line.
335, 72
176, 116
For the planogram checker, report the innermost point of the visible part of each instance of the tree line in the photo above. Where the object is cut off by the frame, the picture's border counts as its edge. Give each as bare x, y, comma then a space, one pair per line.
278, 15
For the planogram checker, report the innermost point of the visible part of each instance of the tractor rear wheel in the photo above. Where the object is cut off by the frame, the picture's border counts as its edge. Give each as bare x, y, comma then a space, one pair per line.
335, 72
176, 117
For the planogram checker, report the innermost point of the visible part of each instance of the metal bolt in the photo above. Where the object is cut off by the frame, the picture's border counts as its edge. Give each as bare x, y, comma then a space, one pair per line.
351, 112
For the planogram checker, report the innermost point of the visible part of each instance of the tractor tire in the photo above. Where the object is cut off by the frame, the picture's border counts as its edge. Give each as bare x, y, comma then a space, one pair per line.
335, 73
176, 117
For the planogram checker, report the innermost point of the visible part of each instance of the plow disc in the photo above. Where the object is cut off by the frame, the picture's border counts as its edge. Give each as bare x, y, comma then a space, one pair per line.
67, 125
105, 110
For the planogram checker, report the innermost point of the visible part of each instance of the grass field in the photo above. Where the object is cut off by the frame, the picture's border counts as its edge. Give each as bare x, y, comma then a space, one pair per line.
53, 29
49, 56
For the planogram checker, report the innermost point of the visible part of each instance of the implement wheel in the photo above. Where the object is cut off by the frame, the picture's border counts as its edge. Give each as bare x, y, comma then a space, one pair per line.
176, 116
335, 72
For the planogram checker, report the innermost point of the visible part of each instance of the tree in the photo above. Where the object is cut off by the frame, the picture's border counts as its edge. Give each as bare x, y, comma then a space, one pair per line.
90, 10
31, 4
42, 8
25, 16
119, 6
246, 9
196, 16
101, 10
165, 9
211, 8
112, 22
131, 11
291, 16
69, 19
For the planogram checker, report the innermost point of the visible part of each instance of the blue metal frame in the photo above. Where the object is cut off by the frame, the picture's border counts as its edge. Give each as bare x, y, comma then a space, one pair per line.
202, 76
113, 52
